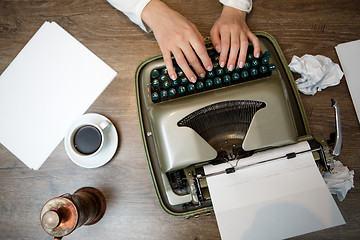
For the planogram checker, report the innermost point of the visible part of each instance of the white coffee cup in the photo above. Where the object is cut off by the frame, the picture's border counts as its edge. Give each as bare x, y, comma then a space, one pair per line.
87, 139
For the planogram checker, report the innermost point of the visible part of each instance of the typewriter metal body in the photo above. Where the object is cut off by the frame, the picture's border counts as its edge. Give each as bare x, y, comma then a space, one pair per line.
233, 115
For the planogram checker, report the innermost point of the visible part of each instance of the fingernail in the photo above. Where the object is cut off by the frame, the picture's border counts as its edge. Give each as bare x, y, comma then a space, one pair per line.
202, 75
209, 68
192, 79
241, 64
173, 77
218, 48
257, 55
222, 64
231, 67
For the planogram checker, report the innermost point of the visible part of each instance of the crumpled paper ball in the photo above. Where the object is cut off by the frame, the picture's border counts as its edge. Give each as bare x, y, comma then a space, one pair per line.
317, 73
340, 180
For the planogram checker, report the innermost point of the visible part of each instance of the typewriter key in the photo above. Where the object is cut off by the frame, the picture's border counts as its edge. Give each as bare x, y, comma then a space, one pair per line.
263, 69
190, 87
254, 63
235, 76
155, 73
163, 78
164, 71
175, 83
199, 85
155, 83
208, 83
210, 74
254, 72
227, 78
272, 67
164, 93
155, 96
247, 65
244, 74
184, 80
265, 60
181, 89
172, 92
217, 81
166, 84
219, 71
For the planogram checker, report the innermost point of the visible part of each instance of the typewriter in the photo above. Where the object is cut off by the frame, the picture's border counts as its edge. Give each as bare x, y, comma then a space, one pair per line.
223, 116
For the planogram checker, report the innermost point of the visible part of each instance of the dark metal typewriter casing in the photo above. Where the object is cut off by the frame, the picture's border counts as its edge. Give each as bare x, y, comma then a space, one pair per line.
175, 155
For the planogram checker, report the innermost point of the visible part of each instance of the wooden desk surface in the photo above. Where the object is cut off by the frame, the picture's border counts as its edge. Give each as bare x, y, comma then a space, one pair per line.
133, 212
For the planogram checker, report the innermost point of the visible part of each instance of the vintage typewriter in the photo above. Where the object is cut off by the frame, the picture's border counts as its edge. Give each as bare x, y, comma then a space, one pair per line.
223, 116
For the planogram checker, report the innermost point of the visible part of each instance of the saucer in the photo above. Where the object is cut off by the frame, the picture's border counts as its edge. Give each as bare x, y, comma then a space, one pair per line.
105, 154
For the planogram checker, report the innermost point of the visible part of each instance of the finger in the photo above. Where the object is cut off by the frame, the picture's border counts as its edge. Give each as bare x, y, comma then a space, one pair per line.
256, 44
169, 65
225, 43
215, 38
183, 64
200, 51
244, 43
234, 50
193, 60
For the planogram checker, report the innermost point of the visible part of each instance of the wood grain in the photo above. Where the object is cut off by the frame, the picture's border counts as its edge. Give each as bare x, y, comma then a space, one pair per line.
300, 27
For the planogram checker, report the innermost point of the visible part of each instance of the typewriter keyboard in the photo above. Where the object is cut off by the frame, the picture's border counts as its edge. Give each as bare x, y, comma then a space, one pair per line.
163, 88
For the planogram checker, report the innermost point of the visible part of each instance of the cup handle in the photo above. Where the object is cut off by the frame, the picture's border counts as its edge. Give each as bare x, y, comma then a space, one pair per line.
104, 125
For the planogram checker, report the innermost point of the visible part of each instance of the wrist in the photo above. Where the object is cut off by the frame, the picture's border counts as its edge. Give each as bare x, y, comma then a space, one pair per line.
230, 11
152, 9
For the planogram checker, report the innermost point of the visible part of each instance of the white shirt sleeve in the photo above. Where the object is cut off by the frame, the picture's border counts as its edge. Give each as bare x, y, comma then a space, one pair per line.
243, 5
133, 8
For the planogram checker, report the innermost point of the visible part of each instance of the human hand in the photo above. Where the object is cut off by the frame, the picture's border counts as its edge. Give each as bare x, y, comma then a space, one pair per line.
178, 36
230, 32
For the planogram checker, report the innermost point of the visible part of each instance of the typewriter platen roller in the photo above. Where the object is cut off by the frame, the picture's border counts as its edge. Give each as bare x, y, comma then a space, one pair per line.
222, 117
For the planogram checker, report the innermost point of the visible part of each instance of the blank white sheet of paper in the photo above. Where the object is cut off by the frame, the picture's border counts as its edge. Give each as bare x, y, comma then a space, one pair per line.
51, 82
348, 55
274, 200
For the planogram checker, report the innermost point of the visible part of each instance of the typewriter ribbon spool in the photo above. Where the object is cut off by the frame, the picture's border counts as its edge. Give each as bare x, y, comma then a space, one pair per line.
62, 215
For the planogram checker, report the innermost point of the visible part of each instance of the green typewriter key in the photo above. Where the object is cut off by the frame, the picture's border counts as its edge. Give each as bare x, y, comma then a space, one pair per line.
265, 60
215, 64
209, 83
164, 71
166, 84
219, 71
235, 76
181, 89
199, 85
263, 69
175, 83
163, 78
227, 78
184, 80
190, 87
164, 93
180, 74
254, 72
155, 83
154, 96
172, 92
216, 58
267, 54
210, 74
244, 74
217, 81
272, 67
247, 65
237, 68
250, 56
254, 63
155, 73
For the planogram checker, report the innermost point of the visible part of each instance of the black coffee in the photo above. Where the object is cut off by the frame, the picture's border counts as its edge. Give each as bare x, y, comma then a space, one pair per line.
87, 139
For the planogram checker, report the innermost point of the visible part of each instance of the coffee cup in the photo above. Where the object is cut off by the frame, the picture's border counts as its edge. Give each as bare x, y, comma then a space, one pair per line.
88, 139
